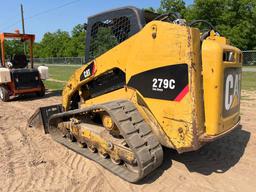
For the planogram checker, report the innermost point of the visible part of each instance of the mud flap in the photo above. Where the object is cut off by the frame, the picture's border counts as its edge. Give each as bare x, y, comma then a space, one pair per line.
41, 117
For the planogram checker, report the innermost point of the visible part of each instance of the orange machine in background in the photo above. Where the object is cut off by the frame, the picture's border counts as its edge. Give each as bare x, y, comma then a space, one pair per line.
16, 76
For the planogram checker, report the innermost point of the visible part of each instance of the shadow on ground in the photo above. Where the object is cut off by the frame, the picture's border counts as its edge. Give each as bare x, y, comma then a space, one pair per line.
216, 157
32, 97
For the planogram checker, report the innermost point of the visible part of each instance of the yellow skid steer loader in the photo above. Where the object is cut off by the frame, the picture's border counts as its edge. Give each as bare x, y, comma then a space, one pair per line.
149, 81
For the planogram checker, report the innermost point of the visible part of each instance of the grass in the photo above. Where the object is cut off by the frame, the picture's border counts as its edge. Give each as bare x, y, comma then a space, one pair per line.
249, 81
52, 85
249, 66
61, 73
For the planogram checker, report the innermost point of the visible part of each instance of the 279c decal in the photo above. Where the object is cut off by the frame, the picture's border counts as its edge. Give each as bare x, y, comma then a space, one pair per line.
161, 84
165, 83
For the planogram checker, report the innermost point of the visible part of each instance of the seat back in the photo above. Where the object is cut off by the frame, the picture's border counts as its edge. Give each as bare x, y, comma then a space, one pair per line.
19, 61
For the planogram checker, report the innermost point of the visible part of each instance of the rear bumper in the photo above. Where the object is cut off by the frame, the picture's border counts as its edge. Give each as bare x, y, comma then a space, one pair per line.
206, 138
27, 91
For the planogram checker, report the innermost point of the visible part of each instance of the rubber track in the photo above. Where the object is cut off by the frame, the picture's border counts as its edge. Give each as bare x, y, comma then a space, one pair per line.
133, 128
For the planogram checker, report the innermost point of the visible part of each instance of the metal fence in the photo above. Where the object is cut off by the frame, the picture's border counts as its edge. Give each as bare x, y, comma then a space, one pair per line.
249, 57
60, 60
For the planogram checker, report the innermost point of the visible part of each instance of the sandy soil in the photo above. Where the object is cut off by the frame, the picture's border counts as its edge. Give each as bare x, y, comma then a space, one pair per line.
31, 161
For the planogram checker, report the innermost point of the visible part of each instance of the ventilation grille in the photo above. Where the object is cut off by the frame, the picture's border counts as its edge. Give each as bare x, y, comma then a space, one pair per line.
107, 34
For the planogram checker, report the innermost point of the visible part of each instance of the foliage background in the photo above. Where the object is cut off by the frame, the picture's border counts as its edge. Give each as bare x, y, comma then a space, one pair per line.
235, 19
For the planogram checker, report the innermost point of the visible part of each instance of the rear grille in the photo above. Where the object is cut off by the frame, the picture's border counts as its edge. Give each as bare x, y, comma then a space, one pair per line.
26, 78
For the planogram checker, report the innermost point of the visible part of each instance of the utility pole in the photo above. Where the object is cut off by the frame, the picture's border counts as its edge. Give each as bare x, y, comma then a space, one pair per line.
23, 25
22, 18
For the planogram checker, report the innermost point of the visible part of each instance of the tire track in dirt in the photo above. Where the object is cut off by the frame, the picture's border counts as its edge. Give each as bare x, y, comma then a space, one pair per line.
31, 161
16, 161
48, 170
77, 163
27, 157
7, 168
35, 158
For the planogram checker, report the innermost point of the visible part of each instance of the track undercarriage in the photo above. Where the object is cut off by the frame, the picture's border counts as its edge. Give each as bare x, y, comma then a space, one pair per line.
113, 134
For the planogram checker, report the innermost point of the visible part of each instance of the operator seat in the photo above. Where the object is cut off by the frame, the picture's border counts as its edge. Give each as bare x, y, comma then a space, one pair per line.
19, 61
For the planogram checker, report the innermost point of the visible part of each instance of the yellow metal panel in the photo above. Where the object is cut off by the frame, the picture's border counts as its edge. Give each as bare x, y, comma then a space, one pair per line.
143, 52
178, 124
213, 78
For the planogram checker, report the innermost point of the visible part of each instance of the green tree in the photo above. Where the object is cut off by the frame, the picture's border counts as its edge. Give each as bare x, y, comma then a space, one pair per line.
62, 44
37, 50
78, 41
169, 6
209, 10
55, 45
13, 47
234, 19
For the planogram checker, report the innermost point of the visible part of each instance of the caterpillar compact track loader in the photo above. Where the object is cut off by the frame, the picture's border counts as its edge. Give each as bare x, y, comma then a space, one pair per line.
149, 81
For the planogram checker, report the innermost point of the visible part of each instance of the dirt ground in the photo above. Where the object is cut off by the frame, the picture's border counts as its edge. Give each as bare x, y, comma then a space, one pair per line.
31, 161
